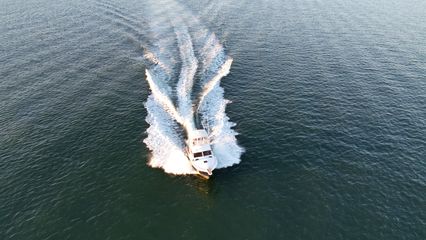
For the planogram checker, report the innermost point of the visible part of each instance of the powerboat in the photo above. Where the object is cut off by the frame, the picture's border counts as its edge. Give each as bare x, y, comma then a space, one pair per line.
200, 153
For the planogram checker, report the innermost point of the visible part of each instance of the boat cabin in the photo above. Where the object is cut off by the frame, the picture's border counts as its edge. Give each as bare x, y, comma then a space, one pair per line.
199, 151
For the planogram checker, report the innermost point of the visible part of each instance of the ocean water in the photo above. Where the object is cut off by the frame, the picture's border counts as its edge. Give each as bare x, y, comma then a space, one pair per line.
317, 110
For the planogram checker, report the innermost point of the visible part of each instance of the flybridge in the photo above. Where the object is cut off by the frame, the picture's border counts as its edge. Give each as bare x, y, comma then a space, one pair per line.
200, 141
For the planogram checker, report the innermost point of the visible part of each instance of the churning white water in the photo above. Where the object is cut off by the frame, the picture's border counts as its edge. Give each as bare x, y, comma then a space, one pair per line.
185, 57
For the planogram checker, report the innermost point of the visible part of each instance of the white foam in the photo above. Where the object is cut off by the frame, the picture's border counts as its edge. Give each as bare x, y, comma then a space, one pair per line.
164, 142
211, 49
163, 99
154, 60
208, 87
186, 77
224, 142
165, 135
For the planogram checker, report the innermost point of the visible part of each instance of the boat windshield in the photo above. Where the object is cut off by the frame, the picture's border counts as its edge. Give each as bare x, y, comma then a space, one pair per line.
200, 154
207, 153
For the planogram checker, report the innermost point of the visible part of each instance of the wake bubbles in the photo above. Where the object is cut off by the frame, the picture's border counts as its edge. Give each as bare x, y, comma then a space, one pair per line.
201, 57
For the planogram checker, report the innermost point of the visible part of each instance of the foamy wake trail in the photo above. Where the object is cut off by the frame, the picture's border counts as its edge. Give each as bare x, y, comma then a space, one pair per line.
212, 106
208, 87
186, 76
163, 139
164, 142
168, 120
224, 142
152, 59
211, 49
163, 99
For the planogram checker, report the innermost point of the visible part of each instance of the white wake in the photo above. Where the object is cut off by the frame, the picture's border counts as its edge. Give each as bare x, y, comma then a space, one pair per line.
186, 58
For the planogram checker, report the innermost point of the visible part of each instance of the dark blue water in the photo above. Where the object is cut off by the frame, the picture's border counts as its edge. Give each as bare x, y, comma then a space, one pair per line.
328, 96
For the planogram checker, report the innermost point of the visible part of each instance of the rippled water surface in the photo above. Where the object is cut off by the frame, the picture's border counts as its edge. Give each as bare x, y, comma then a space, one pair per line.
328, 98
